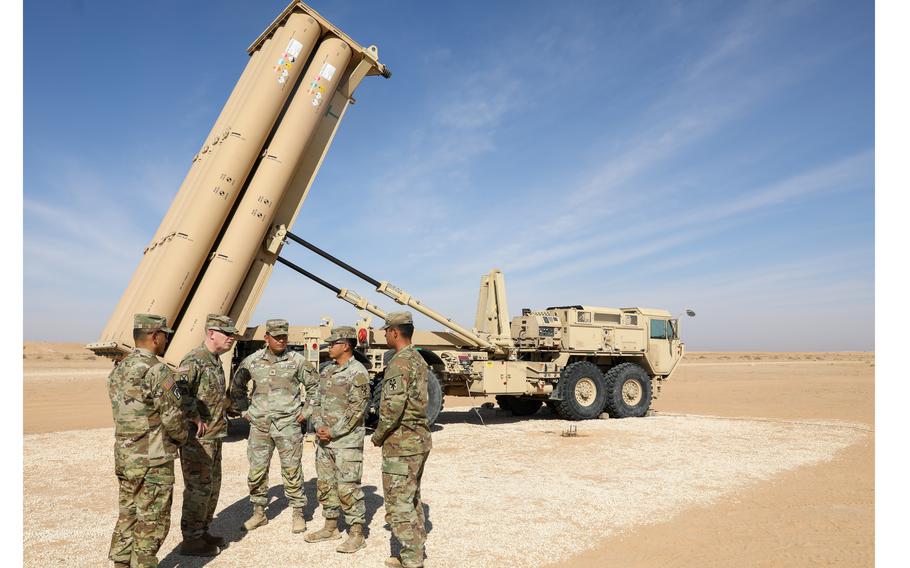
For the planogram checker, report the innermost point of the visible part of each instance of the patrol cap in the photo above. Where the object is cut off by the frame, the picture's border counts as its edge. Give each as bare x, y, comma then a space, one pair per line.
220, 323
398, 318
151, 322
339, 333
276, 327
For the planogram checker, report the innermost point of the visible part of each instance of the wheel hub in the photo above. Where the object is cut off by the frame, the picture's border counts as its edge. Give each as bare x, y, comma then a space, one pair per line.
585, 392
631, 392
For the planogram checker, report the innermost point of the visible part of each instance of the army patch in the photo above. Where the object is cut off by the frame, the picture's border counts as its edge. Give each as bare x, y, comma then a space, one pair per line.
170, 385
391, 383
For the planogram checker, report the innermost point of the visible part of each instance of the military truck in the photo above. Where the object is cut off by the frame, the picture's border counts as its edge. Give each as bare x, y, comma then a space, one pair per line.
218, 244
581, 361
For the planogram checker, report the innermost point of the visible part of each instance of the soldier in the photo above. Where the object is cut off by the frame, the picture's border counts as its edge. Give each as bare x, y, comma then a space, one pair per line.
275, 416
148, 428
201, 376
403, 433
341, 405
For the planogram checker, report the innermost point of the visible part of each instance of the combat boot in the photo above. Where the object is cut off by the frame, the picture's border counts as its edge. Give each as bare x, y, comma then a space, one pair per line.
198, 547
257, 520
355, 540
298, 523
121, 565
393, 562
328, 532
214, 539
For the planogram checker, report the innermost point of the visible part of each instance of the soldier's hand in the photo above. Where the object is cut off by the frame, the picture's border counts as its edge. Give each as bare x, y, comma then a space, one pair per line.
323, 434
376, 442
200, 427
245, 416
301, 419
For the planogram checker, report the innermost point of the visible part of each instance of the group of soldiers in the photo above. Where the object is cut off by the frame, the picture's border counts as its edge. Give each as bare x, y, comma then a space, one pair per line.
161, 414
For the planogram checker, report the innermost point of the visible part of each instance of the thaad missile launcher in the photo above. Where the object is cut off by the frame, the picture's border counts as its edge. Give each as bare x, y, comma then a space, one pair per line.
217, 244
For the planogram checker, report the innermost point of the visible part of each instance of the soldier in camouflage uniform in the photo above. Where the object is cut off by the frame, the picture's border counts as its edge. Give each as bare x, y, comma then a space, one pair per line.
201, 376
148, 428
275, 414
403, 433
341, 405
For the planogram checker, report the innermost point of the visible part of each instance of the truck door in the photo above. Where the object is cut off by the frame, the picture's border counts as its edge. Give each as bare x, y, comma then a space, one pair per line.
661, 349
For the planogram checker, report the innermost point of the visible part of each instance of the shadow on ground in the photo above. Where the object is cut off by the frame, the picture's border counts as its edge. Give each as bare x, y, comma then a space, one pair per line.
488, 416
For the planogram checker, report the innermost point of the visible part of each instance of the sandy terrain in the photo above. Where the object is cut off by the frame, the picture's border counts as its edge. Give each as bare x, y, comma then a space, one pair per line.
750, 459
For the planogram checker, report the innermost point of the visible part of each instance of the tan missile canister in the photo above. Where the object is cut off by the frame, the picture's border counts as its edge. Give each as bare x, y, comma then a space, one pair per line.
252, 218
121, 315
365, 63
209, 202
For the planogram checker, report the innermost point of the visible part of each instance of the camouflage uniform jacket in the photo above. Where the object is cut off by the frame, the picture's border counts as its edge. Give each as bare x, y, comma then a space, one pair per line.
402, 429
341, 403
201, 377
277, 380
148, 423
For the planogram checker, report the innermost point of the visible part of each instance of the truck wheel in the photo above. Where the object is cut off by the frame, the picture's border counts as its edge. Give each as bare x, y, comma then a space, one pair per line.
628, 391
524, 406
504, 402
434, 400
581, 387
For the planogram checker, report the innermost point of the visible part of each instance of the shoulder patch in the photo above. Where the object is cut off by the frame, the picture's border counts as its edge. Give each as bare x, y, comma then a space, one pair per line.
171, 386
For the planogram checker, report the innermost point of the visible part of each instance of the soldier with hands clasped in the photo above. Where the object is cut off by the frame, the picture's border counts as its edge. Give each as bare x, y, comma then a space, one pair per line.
338, 416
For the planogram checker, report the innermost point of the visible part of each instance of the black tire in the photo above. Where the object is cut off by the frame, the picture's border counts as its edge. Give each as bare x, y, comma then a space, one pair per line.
581, 388
504, 402
525, 406
628, 391
551, 405
435, 399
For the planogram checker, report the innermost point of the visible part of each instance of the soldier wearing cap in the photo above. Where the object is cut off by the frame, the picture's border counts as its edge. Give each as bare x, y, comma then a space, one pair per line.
275, 411
201, 376
340, 408
403, 433
148, 428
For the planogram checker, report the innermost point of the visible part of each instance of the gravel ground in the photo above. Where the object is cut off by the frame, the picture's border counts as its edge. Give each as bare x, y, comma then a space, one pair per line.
512, 491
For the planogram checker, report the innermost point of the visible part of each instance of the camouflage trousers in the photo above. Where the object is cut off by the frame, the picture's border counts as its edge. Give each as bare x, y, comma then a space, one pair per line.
201, 464
404, 513
338, 473
289, 442
145, 514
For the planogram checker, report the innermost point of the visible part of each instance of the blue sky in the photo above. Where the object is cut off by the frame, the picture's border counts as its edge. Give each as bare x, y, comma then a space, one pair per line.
714, 156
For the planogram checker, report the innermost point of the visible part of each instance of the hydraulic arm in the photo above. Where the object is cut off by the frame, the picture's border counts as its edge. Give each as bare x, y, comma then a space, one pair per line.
393, 292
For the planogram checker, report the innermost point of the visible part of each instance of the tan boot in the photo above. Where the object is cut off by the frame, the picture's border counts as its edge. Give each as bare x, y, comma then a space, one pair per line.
355, 540
257, 520
214, 539
299, 523
198, 547
393, 562
328, 532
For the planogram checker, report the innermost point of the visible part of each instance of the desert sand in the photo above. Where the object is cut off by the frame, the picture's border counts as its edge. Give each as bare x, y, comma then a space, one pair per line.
748, 459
